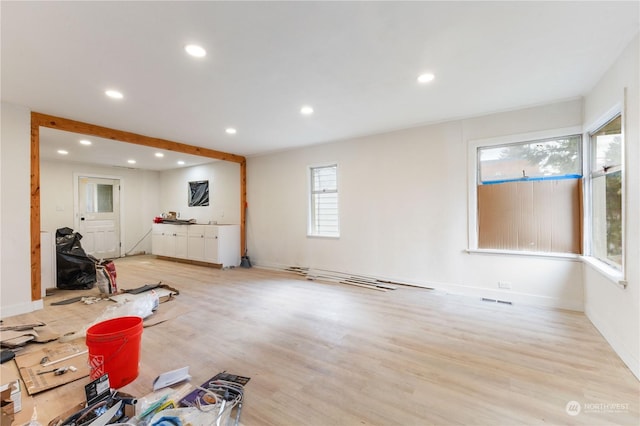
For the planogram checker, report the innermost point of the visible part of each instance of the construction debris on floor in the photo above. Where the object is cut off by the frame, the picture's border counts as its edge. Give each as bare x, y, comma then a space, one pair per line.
107, 352
17, 336
218, 401
343, 278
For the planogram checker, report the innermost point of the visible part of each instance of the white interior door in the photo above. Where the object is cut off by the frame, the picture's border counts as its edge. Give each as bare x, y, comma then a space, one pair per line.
99, 216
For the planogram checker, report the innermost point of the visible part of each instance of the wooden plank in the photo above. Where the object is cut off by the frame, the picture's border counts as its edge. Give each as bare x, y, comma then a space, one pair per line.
36, 260
243, 207
341, 277
129, 137
321, 276
372, 284
371, 287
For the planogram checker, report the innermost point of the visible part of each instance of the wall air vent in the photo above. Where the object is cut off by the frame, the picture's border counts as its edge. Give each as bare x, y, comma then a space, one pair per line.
504, 302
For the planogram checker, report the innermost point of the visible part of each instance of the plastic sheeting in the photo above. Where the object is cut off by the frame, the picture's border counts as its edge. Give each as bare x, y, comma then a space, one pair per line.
76, 270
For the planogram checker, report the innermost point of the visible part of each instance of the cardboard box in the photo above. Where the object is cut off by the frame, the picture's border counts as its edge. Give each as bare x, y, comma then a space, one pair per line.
7, 416
13, 392
6, 407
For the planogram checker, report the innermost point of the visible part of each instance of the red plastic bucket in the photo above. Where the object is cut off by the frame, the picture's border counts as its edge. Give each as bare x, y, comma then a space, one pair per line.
114, 348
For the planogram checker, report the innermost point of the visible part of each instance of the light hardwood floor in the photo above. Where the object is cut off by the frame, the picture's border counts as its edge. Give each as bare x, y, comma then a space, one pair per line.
331, 354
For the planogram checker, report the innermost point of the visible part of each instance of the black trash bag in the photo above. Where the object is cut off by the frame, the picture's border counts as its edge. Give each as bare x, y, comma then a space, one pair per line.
75, 269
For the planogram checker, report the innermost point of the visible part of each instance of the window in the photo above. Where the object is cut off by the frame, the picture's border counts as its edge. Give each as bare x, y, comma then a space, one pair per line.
323, 217
99, 198
535, 160
529, 195
606, 193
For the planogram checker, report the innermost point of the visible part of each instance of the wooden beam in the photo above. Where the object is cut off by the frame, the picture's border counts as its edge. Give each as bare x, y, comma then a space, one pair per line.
36, 292
243, 208
134, 138
68, 125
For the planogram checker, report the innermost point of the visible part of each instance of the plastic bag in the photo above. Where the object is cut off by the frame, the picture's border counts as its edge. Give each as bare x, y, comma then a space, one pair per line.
142, 306
102, 280
193, 416
75, 269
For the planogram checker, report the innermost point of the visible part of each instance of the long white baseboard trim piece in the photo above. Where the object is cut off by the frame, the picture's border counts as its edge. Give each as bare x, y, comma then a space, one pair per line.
617, 344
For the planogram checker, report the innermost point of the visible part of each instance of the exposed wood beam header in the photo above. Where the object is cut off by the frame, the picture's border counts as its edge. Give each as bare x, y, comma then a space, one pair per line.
134, 138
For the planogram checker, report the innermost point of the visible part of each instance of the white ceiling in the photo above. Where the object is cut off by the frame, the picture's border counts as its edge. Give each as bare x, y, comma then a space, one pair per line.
107, 152
356, 63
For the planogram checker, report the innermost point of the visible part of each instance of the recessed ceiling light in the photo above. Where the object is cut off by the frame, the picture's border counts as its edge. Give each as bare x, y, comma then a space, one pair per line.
131, 161
62, 152
85, 142
425, 78
114, 94
195, 50
306, 110
181, 162
159, 154
231, 131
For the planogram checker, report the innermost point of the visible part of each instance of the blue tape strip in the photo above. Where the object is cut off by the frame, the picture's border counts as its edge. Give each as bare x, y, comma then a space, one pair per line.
530, 179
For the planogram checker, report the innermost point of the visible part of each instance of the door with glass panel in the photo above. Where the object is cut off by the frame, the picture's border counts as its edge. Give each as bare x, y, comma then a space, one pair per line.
99, 216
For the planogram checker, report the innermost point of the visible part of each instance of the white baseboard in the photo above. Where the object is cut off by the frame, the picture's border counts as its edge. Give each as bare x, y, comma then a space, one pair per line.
617, 343
510, 296
21, 308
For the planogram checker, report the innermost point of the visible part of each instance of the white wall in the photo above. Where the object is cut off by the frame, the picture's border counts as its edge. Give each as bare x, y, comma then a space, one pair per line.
140, 199
224, 192
613, 310
145, 194
403, 211
15, 196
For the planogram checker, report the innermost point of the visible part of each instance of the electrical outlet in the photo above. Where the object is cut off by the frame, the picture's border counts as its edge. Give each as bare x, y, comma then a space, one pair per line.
504, 284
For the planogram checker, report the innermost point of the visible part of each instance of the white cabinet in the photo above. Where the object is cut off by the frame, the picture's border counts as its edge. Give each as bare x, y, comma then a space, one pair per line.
158, 240
211, 242
218, 244
180, 241
169, 240
196, 244
222, 244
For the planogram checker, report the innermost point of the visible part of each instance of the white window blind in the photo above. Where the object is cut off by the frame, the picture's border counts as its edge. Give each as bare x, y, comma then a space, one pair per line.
323, 218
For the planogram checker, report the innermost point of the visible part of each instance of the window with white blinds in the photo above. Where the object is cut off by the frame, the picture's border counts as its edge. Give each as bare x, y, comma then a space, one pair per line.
323, 217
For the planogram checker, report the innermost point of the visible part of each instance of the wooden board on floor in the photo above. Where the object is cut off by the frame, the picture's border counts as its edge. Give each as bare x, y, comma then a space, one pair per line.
29, 365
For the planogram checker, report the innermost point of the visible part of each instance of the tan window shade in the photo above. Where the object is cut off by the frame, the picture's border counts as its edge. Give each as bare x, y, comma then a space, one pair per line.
542, 216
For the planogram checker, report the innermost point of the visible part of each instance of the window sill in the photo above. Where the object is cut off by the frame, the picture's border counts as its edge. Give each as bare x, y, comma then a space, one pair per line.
610, 273
324, 237
566, 256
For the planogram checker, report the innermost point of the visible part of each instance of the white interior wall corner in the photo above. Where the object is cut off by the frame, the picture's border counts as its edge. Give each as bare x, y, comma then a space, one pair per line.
15, 225
613, 310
